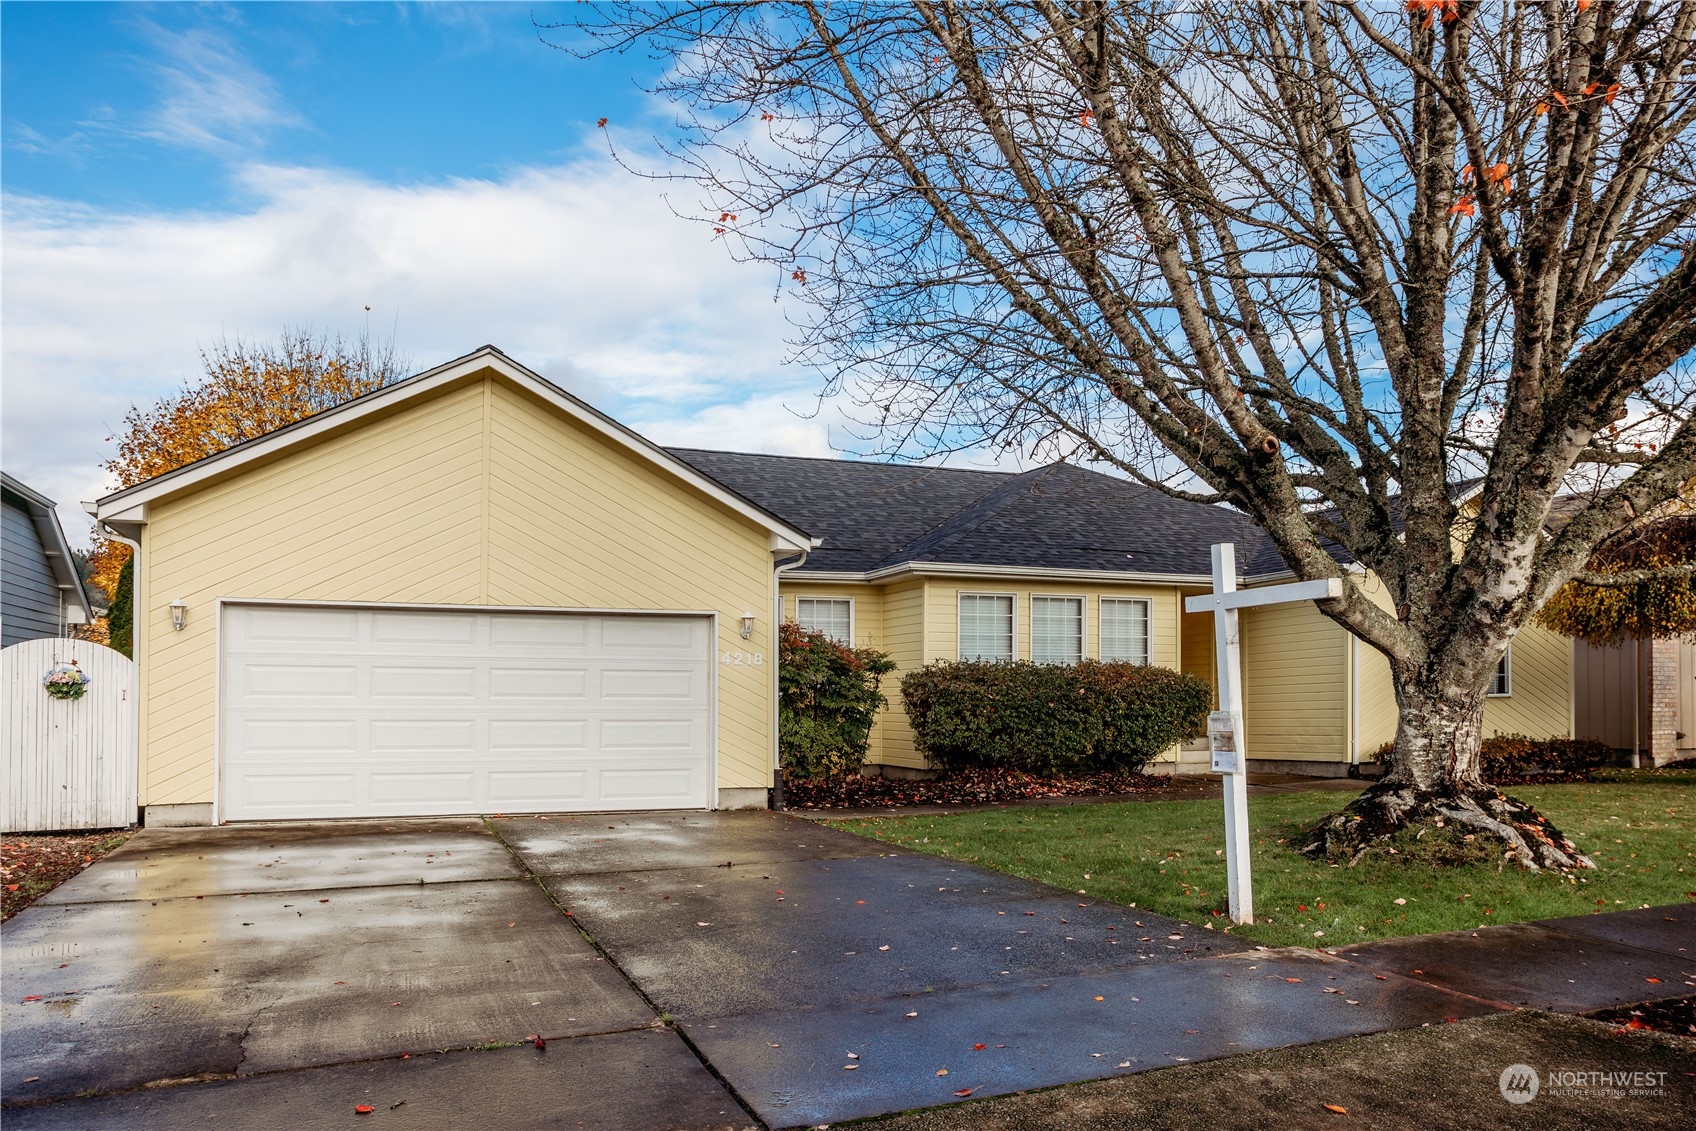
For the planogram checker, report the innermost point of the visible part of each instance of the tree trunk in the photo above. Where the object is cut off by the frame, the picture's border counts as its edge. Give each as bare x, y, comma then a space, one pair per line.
1435, 785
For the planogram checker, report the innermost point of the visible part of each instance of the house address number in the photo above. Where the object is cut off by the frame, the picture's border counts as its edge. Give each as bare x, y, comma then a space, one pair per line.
743, 659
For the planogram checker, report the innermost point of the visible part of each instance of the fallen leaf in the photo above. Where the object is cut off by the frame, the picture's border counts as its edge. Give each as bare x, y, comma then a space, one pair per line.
539, 1041
1292, 979
33, 997
915, 1013
1401, 903
942, 1071
1098, 997
31, 1079
1657, 981
884, 947
853, 1056
1338, 1108
977, 1047
850, 1067
963, 1092
363, 1109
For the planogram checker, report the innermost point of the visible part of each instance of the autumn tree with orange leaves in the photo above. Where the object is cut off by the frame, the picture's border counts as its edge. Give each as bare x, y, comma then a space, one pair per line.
1319, 261
246, 389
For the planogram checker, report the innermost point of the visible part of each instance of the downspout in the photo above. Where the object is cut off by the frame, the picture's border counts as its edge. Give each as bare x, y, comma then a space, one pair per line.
1354, 706
776, 651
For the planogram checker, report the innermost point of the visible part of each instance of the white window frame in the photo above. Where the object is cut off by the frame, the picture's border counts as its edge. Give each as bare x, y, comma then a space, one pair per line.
1013, 627
1083, 624
1504, 672
1148, 621
851, 626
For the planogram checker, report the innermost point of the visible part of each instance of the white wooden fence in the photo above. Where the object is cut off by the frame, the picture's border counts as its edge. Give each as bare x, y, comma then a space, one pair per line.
69, 764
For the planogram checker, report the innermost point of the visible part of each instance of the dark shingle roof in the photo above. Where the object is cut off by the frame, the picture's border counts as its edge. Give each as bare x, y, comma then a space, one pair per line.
876, 515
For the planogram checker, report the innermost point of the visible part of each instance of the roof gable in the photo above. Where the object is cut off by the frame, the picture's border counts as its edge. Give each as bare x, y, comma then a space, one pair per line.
127, 508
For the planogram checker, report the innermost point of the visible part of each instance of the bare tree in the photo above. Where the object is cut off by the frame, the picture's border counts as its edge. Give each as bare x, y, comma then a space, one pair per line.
1317, 261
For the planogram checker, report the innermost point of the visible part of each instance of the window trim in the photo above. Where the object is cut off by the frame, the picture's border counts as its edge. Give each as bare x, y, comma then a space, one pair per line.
852, 626
1148, 621
1504, 667
1083, 624
1013, 636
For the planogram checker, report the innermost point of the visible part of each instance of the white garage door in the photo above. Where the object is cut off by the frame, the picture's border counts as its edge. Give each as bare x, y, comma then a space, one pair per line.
352, 712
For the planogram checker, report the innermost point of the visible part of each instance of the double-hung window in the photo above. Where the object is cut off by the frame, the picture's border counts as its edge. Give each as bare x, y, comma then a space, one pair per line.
1057, 630
833, 616
1124, 629
1501, 684
986, 626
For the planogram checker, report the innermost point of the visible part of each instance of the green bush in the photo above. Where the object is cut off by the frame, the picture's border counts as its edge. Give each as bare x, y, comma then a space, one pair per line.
828, 696
1517, 755
1051, 718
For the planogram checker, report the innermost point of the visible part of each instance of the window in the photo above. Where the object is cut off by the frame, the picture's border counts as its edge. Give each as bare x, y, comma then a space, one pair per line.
986, 626
832, 616
1124, 629
1057, 630
1501, 684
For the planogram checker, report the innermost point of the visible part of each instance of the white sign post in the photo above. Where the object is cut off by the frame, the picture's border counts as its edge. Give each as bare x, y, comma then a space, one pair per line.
1225, 726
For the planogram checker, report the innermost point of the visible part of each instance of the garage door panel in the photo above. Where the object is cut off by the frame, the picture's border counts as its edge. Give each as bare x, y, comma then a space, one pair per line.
646, 789
662, 684
553, 632
298, 681
315, 737
539, 683
397, 712
389, 681
650, 633
545, 789
281, 625
413, 627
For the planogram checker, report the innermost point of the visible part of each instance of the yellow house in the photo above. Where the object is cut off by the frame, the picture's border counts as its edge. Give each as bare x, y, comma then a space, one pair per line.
470, 592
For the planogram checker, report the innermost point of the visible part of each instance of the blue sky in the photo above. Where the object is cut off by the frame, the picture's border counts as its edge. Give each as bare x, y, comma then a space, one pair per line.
177, 173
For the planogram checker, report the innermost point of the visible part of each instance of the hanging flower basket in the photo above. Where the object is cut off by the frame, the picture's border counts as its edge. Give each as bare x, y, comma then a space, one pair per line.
65, 681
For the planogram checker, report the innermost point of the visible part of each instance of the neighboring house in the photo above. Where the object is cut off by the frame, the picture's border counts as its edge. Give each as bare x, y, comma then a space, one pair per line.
471, 592
1638, 697
41, 591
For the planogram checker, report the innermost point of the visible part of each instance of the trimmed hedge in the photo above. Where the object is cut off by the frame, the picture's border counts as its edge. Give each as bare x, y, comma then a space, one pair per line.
1051, 718
1517, 755
828, 696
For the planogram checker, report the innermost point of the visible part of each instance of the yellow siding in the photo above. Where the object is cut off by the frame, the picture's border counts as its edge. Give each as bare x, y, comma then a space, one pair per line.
1541, 701
1197, 651
1293, 679
904, 627
479, 495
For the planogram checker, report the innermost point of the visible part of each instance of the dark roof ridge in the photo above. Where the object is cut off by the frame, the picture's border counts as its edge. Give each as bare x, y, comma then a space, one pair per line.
845, 459
968, 518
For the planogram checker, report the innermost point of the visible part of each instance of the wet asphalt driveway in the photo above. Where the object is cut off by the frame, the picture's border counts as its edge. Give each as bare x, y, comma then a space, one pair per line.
689, 970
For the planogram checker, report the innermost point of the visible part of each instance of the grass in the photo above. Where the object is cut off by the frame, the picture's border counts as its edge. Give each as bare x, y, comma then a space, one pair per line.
1168, 857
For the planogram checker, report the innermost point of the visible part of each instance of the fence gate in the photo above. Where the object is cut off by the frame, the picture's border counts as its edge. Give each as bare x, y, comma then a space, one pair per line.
69, 763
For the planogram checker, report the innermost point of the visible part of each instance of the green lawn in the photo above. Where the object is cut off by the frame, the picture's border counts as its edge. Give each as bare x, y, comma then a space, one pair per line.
1168, 857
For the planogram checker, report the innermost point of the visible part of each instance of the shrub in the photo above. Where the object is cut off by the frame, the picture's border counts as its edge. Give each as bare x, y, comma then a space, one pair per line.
828, 695
1515, 755
1050, 718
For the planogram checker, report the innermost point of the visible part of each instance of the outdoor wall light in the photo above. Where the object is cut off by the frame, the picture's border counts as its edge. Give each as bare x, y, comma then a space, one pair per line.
179, 614
747, 625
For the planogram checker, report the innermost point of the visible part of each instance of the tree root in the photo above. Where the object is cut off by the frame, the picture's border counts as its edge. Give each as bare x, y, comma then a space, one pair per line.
1386, 809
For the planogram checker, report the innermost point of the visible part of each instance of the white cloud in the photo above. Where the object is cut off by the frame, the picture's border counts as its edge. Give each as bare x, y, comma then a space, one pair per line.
579, 271
212, 97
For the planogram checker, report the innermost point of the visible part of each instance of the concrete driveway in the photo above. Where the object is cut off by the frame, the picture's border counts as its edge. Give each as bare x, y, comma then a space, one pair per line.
688, 970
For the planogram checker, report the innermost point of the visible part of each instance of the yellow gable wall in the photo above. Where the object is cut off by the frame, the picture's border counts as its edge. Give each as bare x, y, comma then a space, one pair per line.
479, 495
1296, 695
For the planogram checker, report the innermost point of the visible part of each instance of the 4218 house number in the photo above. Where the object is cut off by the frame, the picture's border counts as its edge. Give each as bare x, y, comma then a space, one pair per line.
743, 659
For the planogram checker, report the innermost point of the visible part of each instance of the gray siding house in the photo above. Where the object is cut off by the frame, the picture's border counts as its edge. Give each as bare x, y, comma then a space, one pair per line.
40, 590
